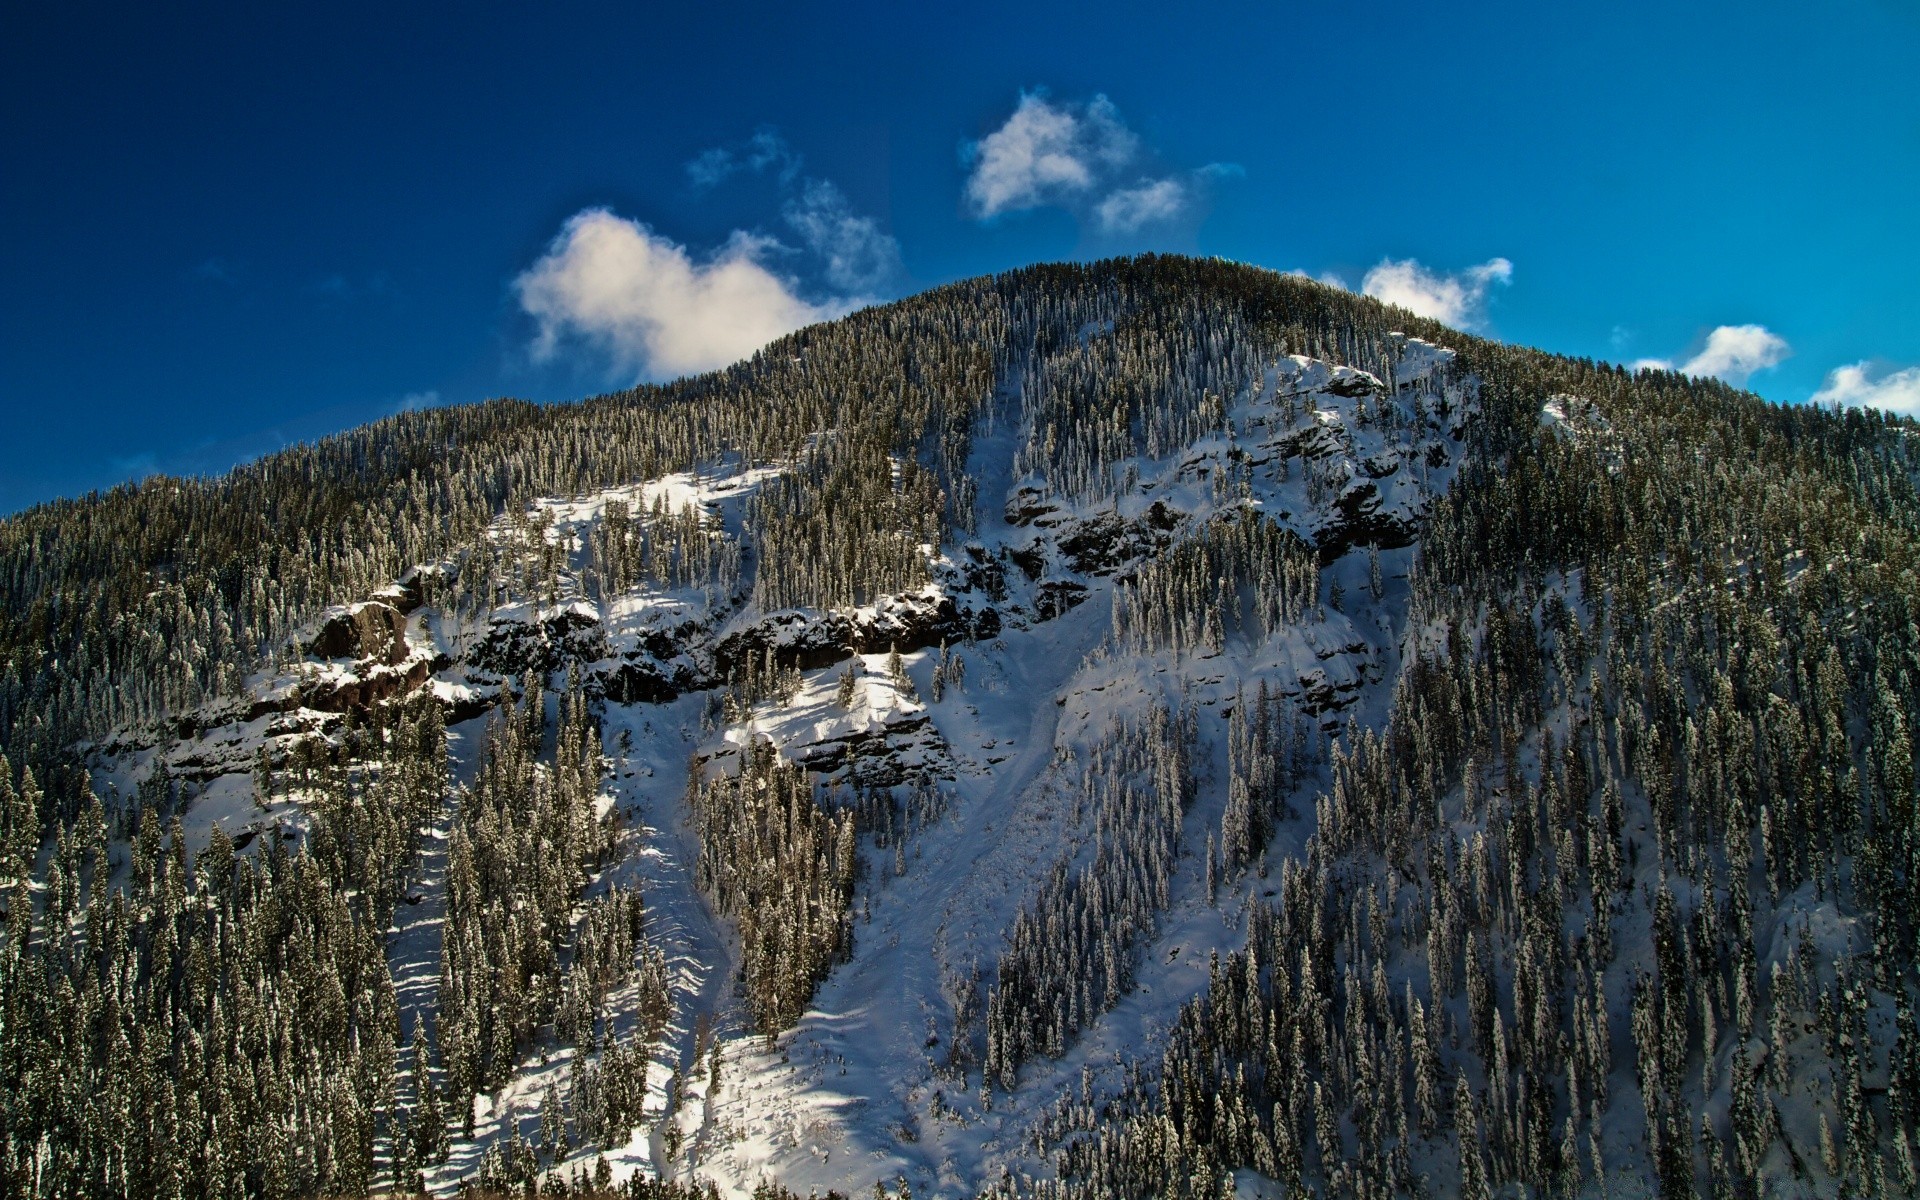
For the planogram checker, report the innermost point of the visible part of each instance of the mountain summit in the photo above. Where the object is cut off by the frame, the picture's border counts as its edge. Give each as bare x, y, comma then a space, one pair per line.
1150, 728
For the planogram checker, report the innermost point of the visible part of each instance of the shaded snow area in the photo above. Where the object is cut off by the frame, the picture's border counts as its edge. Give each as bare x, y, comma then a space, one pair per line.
979, 708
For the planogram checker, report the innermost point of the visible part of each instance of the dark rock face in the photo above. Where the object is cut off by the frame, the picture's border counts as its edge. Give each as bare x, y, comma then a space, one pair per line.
1031, 559
807, 640
514, 647
637, 680
1027, 505
364, 691
905, 751
371, 631
1104, 544
810, 640
381, 664
1057, 597
1313, 442
1360, 522
910, 624
984, 573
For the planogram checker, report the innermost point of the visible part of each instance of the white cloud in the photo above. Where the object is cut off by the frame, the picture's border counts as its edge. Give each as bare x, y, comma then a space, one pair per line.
1047, 153
859, 257
645, 301
1151, 202
1895, 392
1458, 299
1083, 158
1732, 353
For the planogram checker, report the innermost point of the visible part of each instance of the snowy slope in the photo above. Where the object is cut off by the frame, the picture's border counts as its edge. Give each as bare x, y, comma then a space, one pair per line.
858, 1092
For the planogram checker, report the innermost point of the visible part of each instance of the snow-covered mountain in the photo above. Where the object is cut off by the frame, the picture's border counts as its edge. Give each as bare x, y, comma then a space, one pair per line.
1218, 742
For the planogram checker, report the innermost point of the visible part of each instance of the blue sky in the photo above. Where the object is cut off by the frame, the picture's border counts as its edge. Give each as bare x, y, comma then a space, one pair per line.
226, 231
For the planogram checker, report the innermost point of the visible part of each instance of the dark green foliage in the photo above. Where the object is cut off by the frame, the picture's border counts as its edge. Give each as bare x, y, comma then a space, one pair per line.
1072, 953
1240, 574
220, 1028
1659, 693
781, 865
1663, 699
525, 843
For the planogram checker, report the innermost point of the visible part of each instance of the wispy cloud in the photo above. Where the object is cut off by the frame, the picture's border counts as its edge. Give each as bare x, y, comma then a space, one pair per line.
1330, 278
1080, 157
1458, 299
135, 467
855, 254
858, 256
1732, 353
765, 149
654, 308
1859, 386
1152, 201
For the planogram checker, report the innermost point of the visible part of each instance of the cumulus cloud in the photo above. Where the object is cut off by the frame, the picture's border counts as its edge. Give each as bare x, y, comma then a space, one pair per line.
1732, 353
1047, 153
1459, 299
1896, 392
657, 308
1083, 158
858, 256
654, 308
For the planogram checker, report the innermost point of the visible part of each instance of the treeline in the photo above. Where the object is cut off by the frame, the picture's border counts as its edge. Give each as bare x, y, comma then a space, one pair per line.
369, 837
1073, 949
527, 839
1585, 880
1139, 380
665, 548
154, 597
1270, 745
1239, 574
780, 865
848, 523
213, 1025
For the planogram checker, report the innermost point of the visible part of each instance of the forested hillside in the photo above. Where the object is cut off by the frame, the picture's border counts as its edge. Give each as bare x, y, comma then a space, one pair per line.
1150, 728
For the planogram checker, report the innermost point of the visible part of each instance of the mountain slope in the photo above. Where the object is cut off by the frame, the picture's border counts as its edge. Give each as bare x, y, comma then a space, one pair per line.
1132, 729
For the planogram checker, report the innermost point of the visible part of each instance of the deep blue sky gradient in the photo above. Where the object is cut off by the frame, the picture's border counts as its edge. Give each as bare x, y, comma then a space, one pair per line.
224, 229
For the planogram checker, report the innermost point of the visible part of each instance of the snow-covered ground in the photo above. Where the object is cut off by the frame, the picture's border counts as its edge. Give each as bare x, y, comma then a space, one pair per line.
855, 1093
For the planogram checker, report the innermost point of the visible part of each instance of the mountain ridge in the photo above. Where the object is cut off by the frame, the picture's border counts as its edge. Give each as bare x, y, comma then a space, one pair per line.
1437, 694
